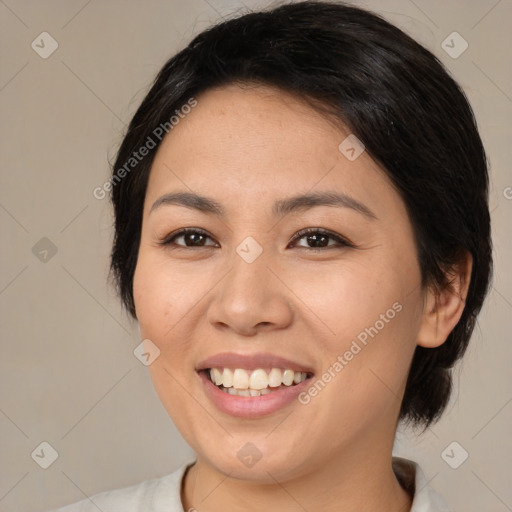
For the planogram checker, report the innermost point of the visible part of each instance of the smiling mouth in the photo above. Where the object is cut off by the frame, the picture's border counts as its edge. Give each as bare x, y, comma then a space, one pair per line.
251, 383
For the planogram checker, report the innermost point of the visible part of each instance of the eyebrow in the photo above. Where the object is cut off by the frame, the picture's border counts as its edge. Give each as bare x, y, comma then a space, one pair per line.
280, 208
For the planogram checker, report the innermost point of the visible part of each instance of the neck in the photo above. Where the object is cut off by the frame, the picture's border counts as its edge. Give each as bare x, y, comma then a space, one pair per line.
351, 481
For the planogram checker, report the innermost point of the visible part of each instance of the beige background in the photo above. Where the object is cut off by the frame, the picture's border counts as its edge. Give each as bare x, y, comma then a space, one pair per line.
68, 375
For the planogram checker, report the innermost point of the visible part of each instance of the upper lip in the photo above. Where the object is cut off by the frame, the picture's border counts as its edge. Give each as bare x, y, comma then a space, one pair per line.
251, 362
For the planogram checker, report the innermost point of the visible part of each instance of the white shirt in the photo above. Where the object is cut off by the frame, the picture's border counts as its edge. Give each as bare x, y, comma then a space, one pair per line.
164, 494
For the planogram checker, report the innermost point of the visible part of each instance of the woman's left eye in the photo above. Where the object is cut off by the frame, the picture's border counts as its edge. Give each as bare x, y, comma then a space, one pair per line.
318, 238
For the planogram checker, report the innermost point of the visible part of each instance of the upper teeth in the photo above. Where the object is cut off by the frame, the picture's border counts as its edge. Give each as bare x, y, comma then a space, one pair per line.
257, 379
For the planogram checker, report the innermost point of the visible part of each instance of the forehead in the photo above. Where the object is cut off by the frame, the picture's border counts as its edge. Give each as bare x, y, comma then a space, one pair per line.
237, 120
253, 143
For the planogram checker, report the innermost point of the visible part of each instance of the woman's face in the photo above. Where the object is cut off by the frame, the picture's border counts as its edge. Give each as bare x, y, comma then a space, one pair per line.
340, 306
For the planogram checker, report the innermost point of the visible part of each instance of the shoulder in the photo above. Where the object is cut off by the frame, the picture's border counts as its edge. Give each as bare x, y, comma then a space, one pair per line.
412, 478
155, 495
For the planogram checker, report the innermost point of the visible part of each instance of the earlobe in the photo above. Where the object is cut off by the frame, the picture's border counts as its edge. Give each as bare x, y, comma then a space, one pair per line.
443, 308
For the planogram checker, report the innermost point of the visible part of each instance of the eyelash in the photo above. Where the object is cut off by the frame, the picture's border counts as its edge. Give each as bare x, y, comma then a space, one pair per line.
343, 242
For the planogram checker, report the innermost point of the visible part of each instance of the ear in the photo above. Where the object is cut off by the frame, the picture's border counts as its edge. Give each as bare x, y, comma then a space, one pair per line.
443, 308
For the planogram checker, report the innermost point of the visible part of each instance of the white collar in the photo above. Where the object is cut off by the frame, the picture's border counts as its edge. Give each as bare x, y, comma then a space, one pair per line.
412, 478
164, 494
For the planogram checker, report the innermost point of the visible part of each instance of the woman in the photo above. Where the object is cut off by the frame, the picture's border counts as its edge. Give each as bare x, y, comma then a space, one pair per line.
302, 232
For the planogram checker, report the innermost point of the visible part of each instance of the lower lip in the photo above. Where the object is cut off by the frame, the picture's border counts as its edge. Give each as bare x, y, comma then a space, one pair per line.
251, 406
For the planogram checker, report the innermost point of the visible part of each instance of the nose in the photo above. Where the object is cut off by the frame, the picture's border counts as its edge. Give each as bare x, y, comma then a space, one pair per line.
251, 299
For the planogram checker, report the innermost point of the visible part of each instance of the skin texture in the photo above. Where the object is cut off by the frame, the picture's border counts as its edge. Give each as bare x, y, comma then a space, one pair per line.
246, 147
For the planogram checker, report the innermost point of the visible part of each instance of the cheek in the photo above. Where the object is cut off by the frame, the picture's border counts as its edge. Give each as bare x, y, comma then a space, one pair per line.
347, 297
370, 314
151, 304
164, 296
364, 369
157, 313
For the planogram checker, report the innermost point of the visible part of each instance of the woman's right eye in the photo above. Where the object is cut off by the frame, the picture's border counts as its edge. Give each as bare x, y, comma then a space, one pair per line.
190, 237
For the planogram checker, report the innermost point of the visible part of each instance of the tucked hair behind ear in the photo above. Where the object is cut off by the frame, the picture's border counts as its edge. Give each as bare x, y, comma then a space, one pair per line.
388, 90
